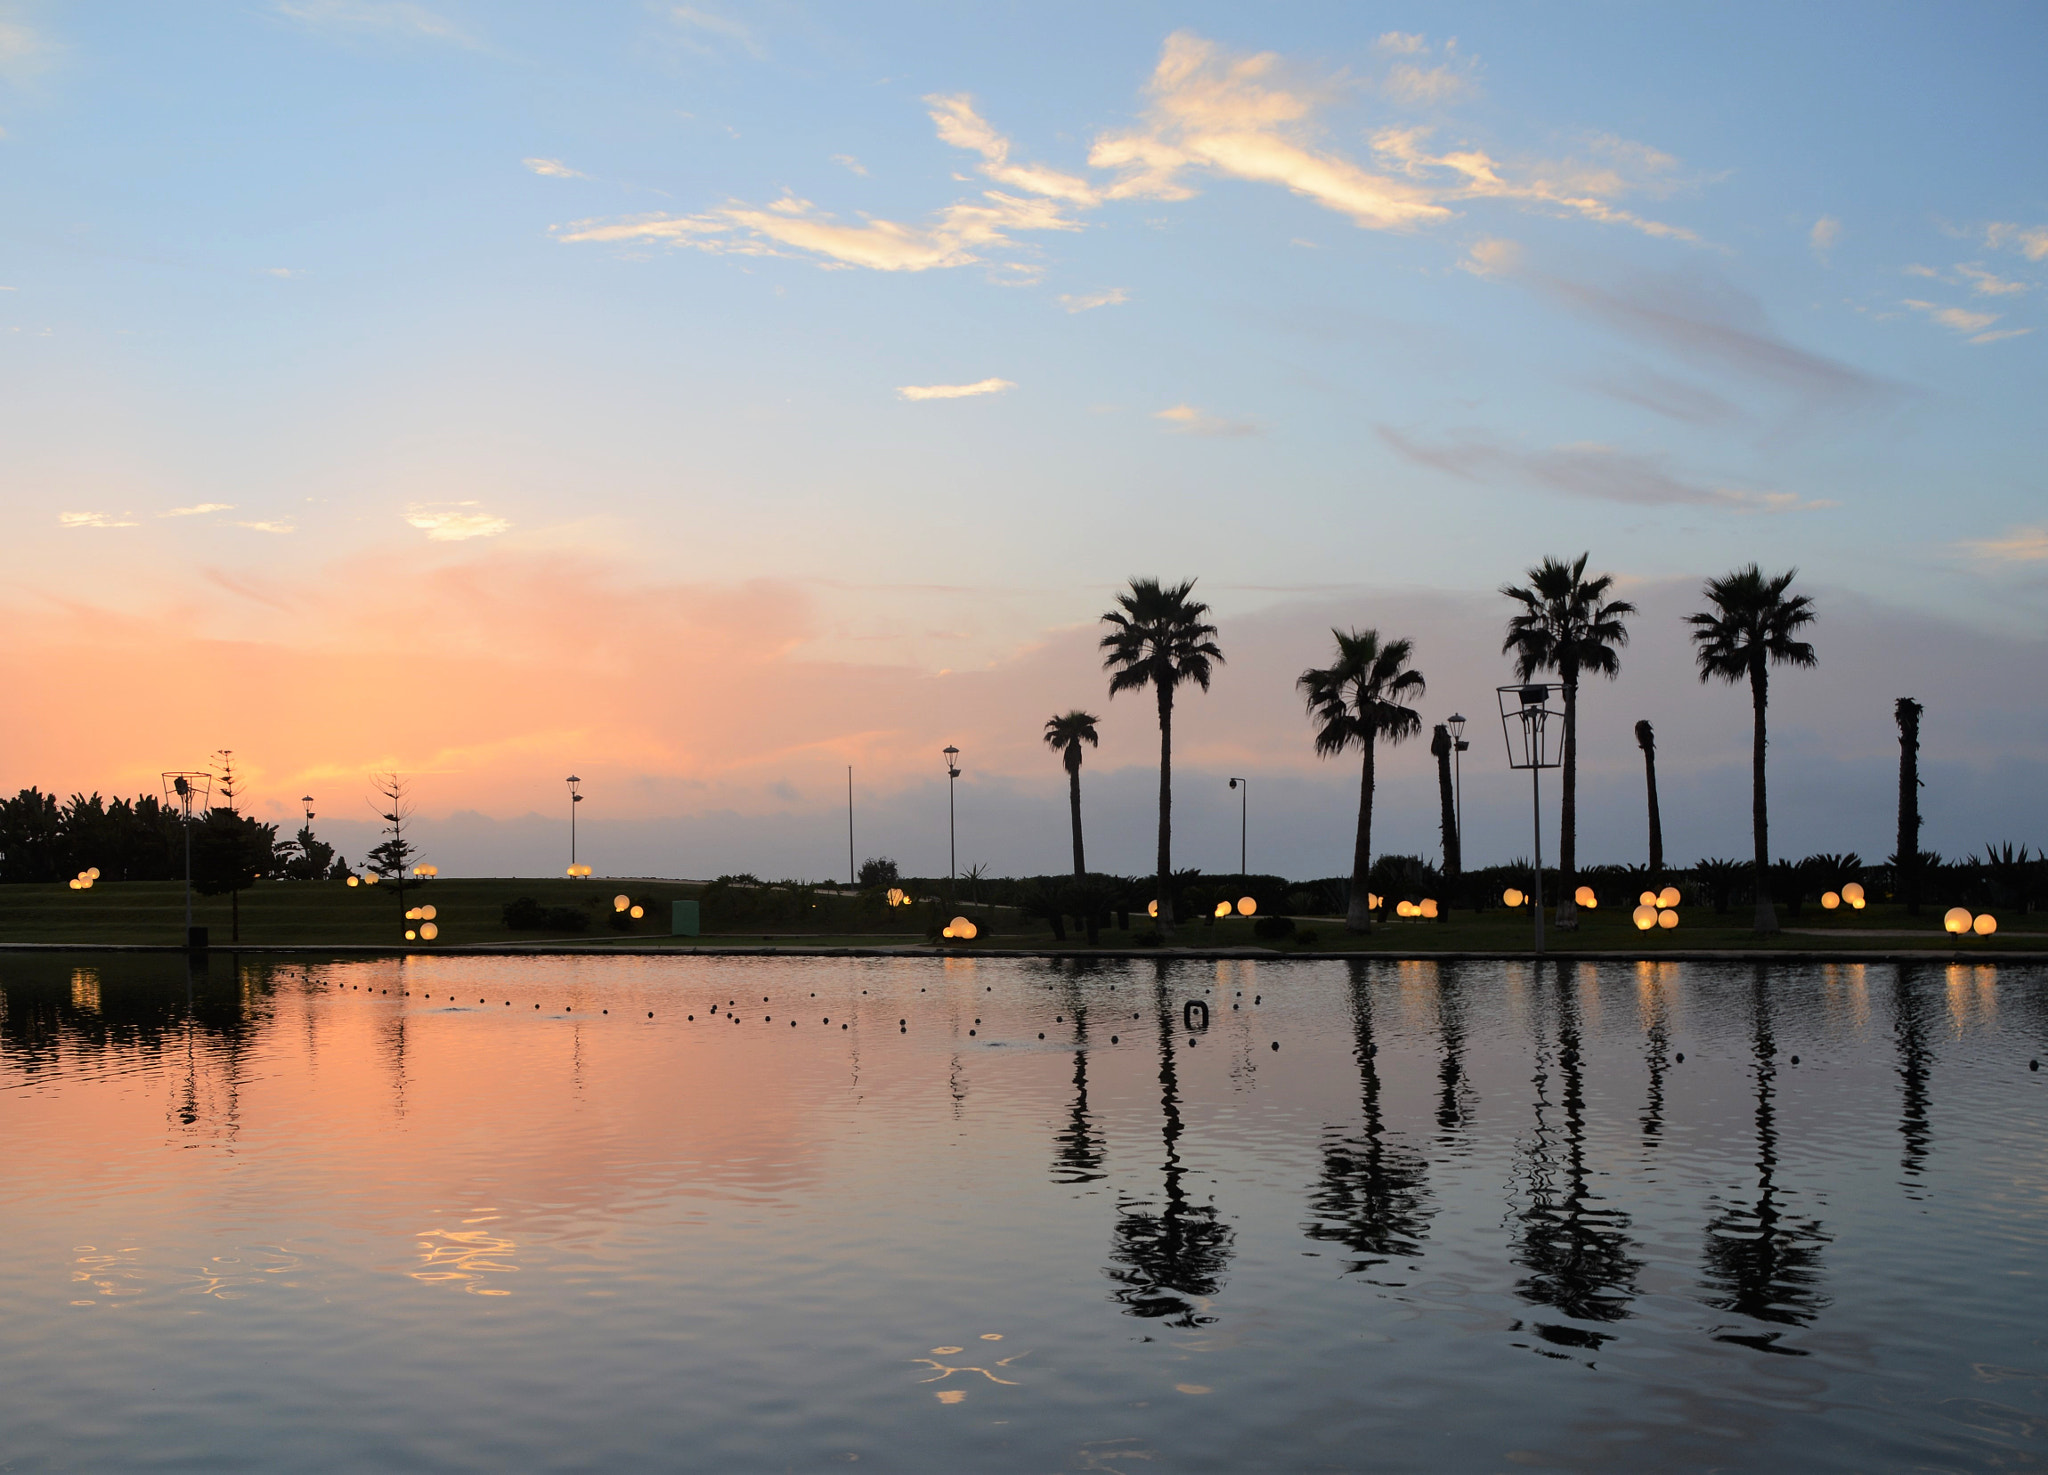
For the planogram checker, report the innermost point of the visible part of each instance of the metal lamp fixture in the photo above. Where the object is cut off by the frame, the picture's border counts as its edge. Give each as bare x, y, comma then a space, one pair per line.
1455, 724
1535, 742
952, 755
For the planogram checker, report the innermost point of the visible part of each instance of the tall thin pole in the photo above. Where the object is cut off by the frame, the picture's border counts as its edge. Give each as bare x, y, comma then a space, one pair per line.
1244, 801
188, 873
952, 845
1458, 796
1536, 814
852, 877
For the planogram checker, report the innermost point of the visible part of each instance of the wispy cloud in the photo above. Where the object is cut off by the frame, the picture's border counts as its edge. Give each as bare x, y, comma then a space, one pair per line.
1403, 43
96, 520
1675, 399
553, 169
1088, 301
375, 17
1244, 117
1989, 283
961, 126
955, 391
957, 236
1422, 83
1586, 469
2014, 545
849, 162
2031, 241
200, 509
267, 527
1976, 326
1821, 239
708, 33
1187, 420
449, 523
23, 53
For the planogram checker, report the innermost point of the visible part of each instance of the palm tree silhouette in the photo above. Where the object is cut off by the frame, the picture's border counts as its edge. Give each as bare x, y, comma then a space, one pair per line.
1906, 859
1158, 638
1453, 843
1355, 702
1646, 739
1749, 629
1064, 735
1568, 625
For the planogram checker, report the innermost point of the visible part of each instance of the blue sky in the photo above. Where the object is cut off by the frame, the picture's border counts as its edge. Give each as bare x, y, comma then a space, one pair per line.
1317, 302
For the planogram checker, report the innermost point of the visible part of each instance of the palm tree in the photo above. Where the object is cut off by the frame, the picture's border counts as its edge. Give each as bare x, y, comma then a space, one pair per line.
1749, 630
1454, 843
1158, 638
1646, 739
1568, 625
1064, 735
1356, 701
1906, 871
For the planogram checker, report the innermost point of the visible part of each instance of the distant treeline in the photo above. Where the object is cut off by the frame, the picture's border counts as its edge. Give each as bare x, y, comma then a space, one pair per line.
142, 839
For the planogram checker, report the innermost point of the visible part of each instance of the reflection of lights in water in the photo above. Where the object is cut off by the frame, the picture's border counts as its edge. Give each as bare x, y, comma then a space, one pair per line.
943, 1370
85, 989
465, 1255
1972, 995
229, 1277
107, 1272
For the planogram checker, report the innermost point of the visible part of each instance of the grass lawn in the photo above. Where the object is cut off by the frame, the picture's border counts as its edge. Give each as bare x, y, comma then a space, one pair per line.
469, 913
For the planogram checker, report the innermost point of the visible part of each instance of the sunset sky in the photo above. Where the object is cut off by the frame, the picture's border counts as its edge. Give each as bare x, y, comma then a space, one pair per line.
703, 398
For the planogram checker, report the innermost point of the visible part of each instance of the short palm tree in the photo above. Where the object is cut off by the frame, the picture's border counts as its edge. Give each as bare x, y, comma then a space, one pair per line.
1567, 624
1159, 638
1355, 702
1749, 630
1064, 735
1646, 739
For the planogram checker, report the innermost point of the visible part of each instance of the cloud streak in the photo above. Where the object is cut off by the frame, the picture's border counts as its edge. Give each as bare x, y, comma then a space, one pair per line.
447, 523
553, 169
1089, 301
1187, 420
954, 391
2014, 545
96, 520
1585, 469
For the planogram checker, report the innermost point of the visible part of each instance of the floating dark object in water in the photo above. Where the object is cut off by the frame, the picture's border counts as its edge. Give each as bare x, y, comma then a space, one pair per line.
1059, 1019
2033, 1065
842, 1026
1233, 1008
828, 1019
1276, 1044
1680, 1057
1795, 1059
650, 1013
1112, 1039
1258, 998
691, 1017
970, 1034
1041, 1034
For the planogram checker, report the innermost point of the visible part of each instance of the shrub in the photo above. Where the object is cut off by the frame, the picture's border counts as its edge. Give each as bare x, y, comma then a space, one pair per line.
524, 914
1273, 929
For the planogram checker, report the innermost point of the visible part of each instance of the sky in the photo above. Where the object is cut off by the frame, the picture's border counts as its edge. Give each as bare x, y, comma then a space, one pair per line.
702, 399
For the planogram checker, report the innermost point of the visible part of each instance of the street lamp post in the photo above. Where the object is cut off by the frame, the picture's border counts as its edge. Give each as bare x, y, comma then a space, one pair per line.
952, 844
1525, 723
307, 800
1244, 799
574, 800
185, 790
1458, 745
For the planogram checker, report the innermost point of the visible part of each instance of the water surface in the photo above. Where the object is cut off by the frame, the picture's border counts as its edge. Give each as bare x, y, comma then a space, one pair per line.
795, 1214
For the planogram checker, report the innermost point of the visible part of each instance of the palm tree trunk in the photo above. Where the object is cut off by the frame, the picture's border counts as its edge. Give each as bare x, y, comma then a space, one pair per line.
1074, 804
1358, 916
1759, 804
1454, 849
1165, 810
1568, 812
1906, 859
1656, 817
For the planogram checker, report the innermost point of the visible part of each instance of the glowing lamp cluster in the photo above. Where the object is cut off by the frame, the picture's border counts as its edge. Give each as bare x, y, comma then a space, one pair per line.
426, 872
1656, 909
898, 897
960, 929
1959, 921
626, 904
578, 872
427, 929
84, 879
1850, 896
1425, 908
1586, 898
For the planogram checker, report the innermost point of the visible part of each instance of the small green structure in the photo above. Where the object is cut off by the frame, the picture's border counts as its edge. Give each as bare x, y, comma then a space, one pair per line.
683, 919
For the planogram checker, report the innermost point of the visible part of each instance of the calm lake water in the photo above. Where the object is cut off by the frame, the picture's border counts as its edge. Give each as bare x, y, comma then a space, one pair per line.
451, 1214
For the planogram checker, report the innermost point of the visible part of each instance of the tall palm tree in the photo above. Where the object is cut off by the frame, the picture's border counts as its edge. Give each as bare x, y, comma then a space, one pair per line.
1454, 843
1646, 739
1159, 638
1748, 630
1567, 624
1064, 735
1906, 859
1355, 702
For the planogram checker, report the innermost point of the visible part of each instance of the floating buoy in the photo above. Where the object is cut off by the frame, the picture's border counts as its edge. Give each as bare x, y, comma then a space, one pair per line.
970, 1034
1193, 1009
1112, 1039
650, 1013
1041, 1034
1681, 1057
1276, 1044
1795, 1059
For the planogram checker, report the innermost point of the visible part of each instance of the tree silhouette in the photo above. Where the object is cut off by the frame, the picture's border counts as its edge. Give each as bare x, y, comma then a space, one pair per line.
1748, 630
1906, 875
1567, 624
1065, 735
1159, 638
1078, 1152
1646, 739
1372, 1195
1440, 749
1170, 1261
1762, 1262
1354, 702
231, 851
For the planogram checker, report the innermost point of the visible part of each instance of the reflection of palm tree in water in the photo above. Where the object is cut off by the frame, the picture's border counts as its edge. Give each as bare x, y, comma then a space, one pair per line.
1575, 1250
1169, 1263
1077, 1148
1455, 1098
1915, 1059
1761, 1262
1657, 1056
1372, 1196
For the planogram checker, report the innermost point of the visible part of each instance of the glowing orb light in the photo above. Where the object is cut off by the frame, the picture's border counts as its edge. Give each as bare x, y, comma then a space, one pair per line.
353, 881
1222, 908
93, 874
410, 934
1829, 901
1645, 917
637, 913
945, 932
1511, 898
1151, 908
428, 913
430, 932
1584, 897
1667, 920
1956, 919
1668, 897
1648, 899
1853, 893
1246, 905
621, 902
1404, 908
962, 928
1984, 925
1427, 908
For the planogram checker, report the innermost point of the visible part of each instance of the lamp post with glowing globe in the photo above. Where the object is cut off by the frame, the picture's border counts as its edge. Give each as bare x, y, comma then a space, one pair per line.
1533, 743
574, 800
1244, 800
1456, 724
